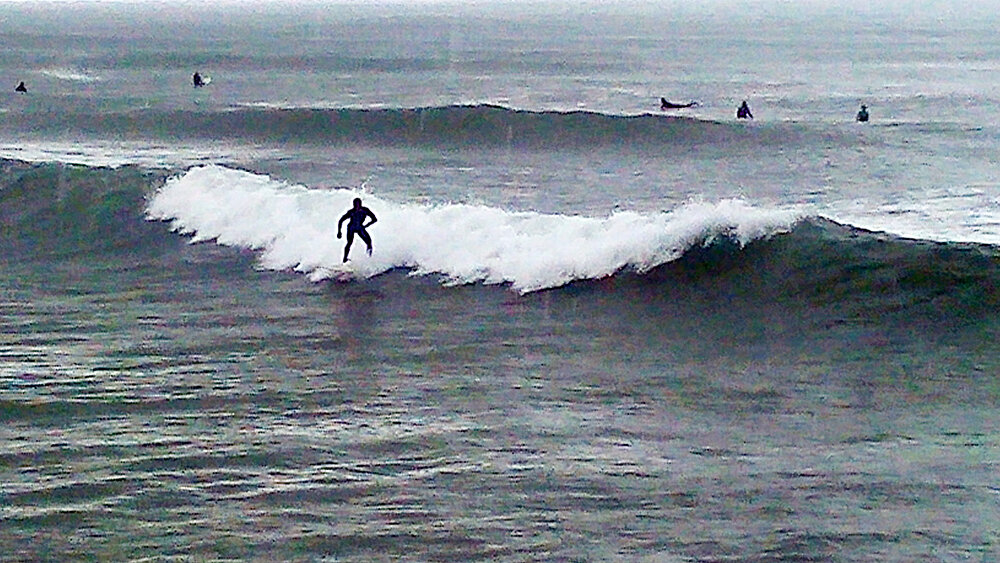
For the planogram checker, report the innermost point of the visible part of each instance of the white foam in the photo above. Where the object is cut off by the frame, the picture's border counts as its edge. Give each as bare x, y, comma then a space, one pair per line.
117, 154
295, 227
70, 75
963, 214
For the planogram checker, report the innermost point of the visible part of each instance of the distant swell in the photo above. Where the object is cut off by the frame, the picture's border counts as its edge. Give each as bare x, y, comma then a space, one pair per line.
458, 126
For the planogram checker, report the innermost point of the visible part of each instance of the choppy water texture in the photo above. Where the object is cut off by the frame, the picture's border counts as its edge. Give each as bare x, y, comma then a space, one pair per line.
588, 332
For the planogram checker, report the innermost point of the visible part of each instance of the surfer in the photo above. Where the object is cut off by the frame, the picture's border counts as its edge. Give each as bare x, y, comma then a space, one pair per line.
863, 114
198, 81
21, 88
665, 105
743, 112
355, 218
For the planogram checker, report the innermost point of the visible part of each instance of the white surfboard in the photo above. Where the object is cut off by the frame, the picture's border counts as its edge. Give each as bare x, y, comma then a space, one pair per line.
343, 273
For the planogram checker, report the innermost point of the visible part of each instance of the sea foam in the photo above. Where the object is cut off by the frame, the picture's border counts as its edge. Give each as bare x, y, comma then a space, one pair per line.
71, 75
295, 228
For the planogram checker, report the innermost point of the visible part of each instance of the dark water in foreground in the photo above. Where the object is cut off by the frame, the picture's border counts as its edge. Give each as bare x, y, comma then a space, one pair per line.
825, 395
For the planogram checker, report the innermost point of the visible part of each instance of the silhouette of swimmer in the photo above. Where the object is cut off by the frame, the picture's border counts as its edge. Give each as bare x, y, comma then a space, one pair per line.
198, 82
665, 105
743, 112
21, 87
863, 114
356, 226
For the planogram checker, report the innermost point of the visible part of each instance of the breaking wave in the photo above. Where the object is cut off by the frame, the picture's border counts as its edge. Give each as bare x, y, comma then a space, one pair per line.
727, 248
295, 228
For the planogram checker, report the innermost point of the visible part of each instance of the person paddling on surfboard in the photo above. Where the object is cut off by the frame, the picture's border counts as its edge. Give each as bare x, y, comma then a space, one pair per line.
355, 218
665, 105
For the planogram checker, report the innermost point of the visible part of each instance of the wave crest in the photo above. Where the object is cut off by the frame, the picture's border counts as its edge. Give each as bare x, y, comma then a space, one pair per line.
71, 75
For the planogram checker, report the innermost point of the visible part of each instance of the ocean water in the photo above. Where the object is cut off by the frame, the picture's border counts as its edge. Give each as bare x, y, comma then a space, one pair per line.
590, 330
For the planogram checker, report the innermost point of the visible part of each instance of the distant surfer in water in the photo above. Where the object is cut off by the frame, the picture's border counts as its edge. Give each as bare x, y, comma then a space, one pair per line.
21, 88
355, 218
863, 114
198, 81
743, 112
665, 105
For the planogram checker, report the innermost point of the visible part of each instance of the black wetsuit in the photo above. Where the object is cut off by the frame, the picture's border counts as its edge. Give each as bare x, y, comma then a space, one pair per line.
355, 218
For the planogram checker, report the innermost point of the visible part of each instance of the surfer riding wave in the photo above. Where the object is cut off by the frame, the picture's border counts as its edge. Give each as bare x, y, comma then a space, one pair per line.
355, 218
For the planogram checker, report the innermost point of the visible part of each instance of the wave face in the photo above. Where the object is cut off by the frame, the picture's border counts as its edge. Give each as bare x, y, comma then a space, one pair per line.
854, 274
55, 209
450, 126
295, 228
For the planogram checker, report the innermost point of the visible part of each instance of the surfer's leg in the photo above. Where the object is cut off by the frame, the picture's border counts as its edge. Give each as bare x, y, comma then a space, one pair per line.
368, 240
347, 247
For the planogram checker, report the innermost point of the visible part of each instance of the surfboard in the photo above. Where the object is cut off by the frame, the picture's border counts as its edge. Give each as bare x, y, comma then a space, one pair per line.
343, 273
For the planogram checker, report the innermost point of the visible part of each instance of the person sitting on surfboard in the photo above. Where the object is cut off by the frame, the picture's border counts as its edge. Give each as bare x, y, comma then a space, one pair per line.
665, 105
863, 114
743, 112
198, 81
21, 87
356, 225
